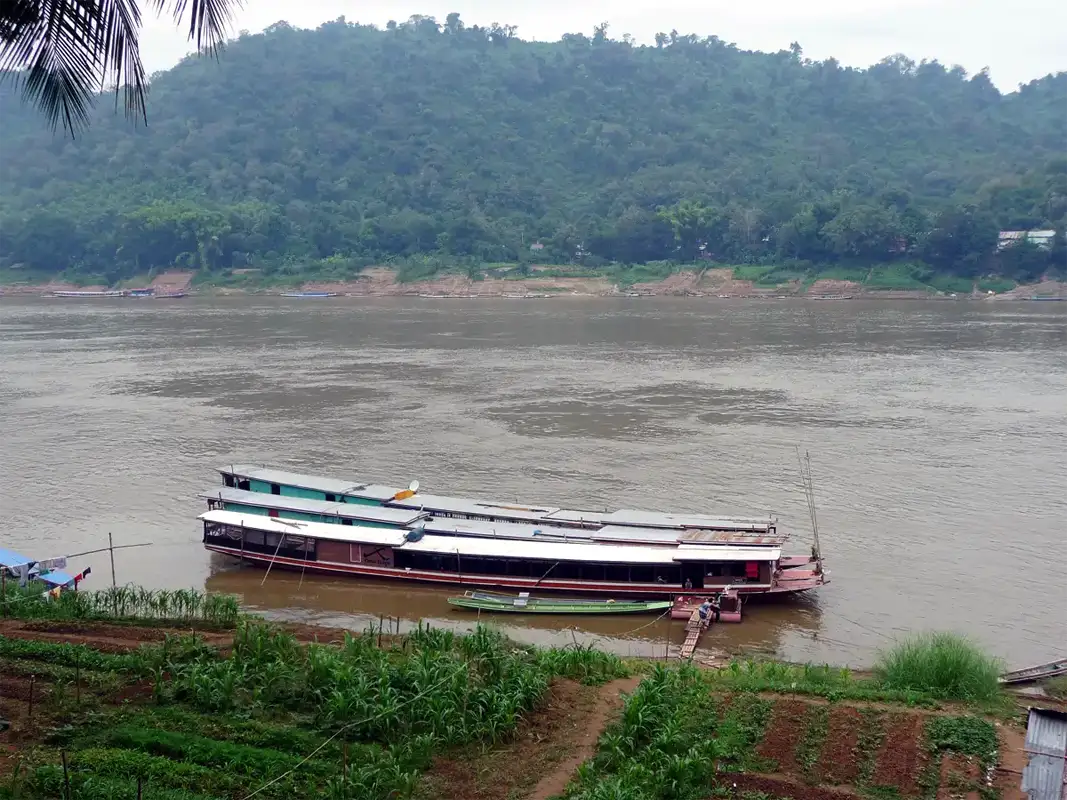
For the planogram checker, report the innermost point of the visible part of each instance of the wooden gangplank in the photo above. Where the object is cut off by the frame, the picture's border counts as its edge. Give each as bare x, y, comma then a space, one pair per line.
693, 630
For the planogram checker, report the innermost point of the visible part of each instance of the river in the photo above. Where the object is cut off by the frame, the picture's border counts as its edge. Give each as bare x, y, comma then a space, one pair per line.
937, 433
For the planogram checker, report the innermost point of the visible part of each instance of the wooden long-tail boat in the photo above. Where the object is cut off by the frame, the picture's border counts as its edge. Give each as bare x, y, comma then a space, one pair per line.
524, 604
1036, 673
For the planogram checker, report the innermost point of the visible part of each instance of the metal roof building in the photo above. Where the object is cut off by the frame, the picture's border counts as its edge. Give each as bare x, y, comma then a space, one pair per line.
1046, 743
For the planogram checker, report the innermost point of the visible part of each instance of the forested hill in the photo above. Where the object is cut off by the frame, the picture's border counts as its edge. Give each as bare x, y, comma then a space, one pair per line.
462, 144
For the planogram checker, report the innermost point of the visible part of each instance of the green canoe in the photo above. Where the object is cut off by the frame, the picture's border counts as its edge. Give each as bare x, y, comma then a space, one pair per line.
524, 604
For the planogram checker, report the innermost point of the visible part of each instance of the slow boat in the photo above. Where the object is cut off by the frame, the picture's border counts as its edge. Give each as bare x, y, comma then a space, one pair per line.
343, 527
524, 604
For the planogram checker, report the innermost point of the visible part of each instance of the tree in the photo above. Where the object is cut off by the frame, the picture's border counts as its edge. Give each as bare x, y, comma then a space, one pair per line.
72, 49
962, 240
439, 145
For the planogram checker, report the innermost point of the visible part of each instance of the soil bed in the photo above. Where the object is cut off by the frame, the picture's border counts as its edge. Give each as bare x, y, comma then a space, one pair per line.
839, 759
780, 786
492, 774
898, 763
784, 733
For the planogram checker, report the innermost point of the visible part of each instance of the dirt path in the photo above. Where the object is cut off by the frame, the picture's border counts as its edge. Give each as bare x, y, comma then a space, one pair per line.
1013, 760
583, 746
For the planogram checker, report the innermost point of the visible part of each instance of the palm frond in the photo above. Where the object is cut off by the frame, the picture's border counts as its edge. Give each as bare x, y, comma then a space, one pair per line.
71, 49
208, 19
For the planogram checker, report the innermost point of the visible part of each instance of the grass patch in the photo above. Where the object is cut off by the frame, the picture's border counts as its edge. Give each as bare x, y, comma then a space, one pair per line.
1056, 687
770, 276
832, 683
943, 665
997, 285
855, 274
898, 277
627, 275
951, 284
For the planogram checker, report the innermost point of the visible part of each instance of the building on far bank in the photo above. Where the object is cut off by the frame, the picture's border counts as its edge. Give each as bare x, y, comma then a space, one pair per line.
1042, 239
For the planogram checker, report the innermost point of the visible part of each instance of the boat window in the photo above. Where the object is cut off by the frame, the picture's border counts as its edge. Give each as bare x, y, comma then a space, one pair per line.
641, 574
330, 498
228, 480
275, 489
346, 522
618, 573
253, 537
243, 484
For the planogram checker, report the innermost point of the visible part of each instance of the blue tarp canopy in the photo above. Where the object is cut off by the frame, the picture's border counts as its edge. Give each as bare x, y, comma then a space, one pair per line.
12, 560
9, 558
55, 578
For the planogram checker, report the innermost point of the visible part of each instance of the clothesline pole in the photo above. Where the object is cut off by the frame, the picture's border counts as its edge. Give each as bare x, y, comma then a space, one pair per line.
111, 549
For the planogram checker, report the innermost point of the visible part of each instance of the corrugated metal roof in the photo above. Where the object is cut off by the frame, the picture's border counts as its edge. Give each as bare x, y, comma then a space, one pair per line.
481, 508
486, 546
1046, 744
661, 519
365, 513
316, 530
369, 491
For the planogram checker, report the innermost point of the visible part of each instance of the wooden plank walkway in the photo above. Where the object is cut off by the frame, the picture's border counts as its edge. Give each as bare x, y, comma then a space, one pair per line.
693, 630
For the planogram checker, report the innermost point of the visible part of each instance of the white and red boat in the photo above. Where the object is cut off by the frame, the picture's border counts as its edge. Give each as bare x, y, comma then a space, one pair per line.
271, 517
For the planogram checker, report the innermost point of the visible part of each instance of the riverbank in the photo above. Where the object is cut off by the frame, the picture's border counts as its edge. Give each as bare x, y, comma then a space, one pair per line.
543, 283
185, 705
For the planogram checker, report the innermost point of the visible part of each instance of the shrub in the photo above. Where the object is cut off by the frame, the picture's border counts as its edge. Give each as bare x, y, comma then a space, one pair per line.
944, 665
1057, 687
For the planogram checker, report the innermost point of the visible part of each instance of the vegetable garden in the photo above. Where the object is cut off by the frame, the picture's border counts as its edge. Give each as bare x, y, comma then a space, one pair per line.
265, 715
198, 702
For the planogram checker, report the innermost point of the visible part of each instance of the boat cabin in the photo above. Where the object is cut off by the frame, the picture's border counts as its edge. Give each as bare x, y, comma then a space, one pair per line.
248, 502
624, 524
417, 554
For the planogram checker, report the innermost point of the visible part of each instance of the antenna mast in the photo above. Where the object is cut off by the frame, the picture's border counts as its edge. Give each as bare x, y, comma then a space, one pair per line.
809, 496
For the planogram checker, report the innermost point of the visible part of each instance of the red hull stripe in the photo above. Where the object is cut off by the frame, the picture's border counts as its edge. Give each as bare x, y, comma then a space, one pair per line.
594, 587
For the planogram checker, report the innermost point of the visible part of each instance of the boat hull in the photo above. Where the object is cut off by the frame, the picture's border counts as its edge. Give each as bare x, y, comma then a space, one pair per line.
573, 607
577, 587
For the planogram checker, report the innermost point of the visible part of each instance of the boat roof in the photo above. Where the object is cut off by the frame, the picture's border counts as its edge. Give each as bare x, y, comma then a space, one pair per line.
630, 517
491, 547
503, 530
486, 508
393, 516
369, 491
358, 534
763, 530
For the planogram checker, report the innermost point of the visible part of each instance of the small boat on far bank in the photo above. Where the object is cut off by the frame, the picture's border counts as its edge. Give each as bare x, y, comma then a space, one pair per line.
87, 294
311, 294
524, 604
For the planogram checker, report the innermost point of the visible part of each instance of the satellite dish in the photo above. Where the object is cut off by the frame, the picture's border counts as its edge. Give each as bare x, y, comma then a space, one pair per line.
413, 487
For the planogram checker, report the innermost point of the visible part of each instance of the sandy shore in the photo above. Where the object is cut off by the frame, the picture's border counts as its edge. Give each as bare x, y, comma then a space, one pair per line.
718, 283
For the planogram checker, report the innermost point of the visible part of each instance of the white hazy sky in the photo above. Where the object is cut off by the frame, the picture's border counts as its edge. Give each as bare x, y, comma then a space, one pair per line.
1018, 40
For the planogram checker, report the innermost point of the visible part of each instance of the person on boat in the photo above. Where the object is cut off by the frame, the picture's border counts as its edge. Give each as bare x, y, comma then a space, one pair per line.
688, 584
704, 609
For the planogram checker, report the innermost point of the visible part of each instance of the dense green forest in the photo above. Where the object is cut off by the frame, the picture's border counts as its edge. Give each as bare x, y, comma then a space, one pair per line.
433, 145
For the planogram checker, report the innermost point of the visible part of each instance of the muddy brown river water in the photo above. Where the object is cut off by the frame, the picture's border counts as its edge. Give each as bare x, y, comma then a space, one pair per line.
937, 432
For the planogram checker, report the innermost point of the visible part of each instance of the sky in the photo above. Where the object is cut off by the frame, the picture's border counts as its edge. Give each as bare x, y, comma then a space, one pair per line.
1018, 40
